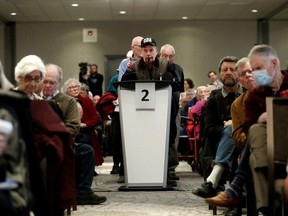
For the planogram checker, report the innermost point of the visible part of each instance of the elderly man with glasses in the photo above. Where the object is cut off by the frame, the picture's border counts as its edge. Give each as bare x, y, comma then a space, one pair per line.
71, 118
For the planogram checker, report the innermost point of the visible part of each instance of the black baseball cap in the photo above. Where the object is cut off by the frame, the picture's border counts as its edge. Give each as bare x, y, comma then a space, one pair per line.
149, 41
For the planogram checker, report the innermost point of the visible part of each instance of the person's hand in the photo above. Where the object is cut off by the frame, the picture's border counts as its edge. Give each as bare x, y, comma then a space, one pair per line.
115, 102
83, 125
263, 118
131, 65
85, 76
226, 123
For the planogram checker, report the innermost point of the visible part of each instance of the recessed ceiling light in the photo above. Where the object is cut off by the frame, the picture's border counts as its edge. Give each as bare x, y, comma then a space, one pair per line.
122, 12
13, 14
254, 11
74, 5
81, 19
184, 17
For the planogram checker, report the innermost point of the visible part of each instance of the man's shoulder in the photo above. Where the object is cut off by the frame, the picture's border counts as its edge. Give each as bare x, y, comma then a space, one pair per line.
240, 100
63, 97
178, 67
124, 61
215, 92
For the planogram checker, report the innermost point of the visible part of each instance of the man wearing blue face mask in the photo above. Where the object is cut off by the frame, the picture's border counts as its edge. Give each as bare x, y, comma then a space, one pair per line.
272, 81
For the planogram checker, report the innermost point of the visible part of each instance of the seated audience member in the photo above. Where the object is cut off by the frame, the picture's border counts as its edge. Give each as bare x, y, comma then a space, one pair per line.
196, 112
29, 73
95, 99
218, 129
217, 84
231, 197
188, 96
200, 94
20, 153
85, 92
272, 82
89, 119
188, 84
71, 118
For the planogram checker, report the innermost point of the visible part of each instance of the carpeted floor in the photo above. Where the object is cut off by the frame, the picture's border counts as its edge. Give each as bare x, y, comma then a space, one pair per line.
179, 202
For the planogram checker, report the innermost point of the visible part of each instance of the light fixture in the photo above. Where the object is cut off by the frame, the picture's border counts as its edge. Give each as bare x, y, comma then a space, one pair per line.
74, 5
184, 17
122, 12
81, 19
13, 14
254, 11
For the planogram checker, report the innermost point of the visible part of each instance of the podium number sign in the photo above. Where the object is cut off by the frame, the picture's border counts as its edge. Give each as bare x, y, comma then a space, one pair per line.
145, 96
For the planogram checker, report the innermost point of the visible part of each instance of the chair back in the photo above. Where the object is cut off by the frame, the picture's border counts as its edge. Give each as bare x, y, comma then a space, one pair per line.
277, 141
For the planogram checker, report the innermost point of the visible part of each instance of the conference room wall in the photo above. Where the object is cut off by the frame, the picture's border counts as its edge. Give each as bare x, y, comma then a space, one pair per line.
278, 39
199, 44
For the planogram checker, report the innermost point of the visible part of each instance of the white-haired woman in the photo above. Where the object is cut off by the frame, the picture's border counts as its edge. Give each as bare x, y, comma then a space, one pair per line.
29, 73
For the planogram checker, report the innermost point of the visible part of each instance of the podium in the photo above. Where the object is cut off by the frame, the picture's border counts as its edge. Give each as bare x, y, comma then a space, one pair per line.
144, 108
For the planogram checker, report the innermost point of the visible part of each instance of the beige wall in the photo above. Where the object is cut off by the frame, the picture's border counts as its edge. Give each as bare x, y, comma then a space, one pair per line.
199, 44
279, 40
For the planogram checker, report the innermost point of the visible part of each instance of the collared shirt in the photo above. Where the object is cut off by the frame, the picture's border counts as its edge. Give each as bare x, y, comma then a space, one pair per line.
122, 68
55, 93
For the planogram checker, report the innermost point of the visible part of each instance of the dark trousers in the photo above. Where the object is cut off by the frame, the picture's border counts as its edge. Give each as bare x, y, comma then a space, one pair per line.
243, 167
117, 141
85, 163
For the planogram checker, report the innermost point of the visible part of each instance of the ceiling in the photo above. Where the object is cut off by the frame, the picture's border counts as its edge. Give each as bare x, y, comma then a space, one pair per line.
108, 10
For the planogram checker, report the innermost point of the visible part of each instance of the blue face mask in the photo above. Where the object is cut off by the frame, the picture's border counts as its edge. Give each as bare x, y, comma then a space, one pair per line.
262, 78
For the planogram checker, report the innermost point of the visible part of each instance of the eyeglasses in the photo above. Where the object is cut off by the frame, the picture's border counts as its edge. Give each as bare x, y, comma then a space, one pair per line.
137, 45
36, 79
77, 87
243, 73
52, 83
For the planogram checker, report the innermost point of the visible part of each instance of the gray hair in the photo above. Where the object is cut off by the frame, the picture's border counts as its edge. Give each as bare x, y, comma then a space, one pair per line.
28, 64
167, 46
67, 82
59, 69
241, 63
200, 88
264, 51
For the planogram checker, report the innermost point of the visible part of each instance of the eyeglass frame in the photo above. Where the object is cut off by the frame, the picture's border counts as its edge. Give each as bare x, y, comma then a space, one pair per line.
244, 73
36, 79
76, 87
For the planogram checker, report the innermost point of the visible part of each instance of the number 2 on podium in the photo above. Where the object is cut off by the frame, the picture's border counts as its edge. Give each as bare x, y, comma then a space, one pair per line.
146, 93
145, 96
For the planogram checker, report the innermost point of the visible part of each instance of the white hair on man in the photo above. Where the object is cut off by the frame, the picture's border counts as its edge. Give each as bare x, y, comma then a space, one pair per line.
167, 46
28, 64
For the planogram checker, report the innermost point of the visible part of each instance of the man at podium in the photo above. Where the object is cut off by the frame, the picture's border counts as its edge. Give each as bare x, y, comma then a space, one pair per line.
150, 67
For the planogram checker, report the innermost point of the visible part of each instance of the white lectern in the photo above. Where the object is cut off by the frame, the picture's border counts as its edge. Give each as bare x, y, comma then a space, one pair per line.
145, 122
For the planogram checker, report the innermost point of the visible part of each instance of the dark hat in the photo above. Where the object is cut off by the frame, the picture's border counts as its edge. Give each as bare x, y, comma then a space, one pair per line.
149, 41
